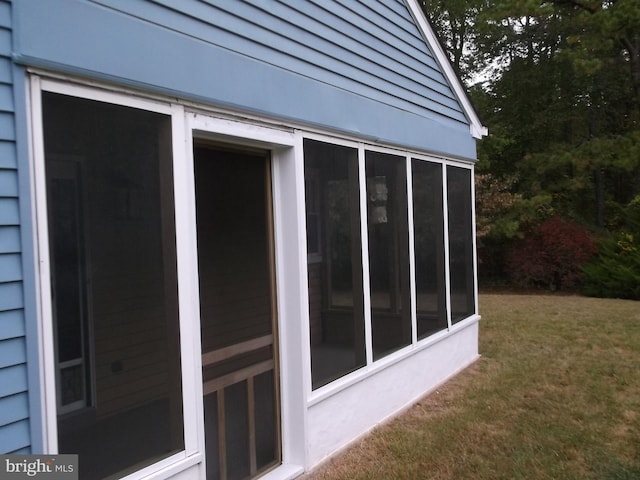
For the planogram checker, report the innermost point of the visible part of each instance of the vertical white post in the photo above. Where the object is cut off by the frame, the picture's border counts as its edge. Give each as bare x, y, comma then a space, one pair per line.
45, 308
447, 273
364, 235
474, 239
412, 256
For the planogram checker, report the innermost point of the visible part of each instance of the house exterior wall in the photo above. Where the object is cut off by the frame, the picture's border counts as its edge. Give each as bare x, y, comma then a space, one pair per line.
14, 403
361, 68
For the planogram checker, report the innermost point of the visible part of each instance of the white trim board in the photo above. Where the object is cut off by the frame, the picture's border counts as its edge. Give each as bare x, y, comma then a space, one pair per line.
477, 129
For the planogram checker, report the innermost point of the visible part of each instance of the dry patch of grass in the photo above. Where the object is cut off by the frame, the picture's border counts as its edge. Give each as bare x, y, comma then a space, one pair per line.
556, 395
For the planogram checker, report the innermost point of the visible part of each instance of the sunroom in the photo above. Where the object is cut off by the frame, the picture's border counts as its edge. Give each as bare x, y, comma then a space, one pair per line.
285, 264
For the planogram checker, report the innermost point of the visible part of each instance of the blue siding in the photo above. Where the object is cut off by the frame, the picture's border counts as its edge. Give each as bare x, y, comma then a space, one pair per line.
6, 98
5, 15
14, 408
5, 70
9, 239
11, 297
5, 41
7, 155
9, 182
9, 211
10, 267
7, 126
11, 325
356, 67
14, 437
360, 48
13, 379
14, 402
13, 352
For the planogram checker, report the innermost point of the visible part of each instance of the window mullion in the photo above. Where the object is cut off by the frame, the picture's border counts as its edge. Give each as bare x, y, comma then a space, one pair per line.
188, 295
412, 264
474, 241
366, 285
447, 273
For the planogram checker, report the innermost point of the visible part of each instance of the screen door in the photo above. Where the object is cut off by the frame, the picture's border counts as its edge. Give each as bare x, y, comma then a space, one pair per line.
237, 311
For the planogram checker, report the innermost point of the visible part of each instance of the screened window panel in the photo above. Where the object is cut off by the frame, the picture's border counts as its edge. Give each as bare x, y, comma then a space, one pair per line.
336, 311
388, 252
114, 284
428, 226
460, 243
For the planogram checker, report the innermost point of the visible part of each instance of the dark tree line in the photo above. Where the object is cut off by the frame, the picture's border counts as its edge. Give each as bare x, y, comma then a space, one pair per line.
558, 85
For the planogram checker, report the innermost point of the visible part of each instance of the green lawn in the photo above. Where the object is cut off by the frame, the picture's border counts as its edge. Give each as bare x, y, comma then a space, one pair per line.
555, 395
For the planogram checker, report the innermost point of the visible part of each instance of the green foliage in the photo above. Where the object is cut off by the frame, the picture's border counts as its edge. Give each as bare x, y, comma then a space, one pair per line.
557, 83
455, 21
495, 208
632, 214
615, 272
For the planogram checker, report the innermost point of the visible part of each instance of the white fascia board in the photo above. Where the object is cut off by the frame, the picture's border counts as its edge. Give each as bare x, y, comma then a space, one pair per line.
477, 129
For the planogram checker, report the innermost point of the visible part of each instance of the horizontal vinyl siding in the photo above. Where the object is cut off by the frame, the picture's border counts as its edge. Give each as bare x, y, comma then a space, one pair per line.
14, 437
9, 182
14, 402
10, 268
348, 66
372, 48
13, 379
7, 154
14, 408
11, 298
9, 239
11, 325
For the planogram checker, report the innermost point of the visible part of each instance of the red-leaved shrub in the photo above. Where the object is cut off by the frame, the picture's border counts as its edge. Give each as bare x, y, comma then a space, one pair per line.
551, 255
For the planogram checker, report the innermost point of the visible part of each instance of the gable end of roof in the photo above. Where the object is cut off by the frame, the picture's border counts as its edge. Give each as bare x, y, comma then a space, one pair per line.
477, 130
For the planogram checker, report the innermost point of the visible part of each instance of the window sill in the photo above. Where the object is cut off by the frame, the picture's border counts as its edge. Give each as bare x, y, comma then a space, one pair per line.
286, 471
167, 468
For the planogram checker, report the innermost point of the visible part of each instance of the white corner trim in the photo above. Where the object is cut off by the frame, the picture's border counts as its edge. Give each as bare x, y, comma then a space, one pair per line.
477, 129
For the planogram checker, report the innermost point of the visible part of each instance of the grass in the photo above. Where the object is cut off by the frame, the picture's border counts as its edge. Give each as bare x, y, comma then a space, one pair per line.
555, 395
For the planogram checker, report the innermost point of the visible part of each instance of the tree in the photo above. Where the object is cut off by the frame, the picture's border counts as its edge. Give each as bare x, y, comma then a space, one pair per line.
558, 84
455, 21
566, 99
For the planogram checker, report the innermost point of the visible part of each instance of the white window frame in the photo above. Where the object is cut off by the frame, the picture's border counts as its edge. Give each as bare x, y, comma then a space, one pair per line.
474, 247
287, 176
187, 295
285, 145
372, 367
